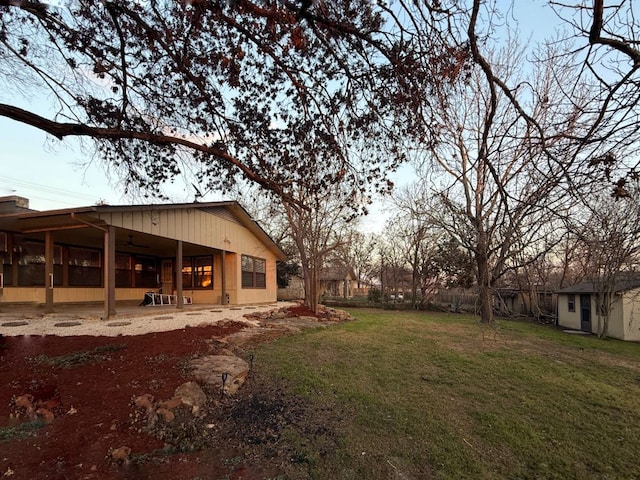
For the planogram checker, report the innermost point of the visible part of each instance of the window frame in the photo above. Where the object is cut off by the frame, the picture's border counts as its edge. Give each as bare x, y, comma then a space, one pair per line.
146, 271
196, 272
124, 270
81, 270
255, 276
31, 266
571, 302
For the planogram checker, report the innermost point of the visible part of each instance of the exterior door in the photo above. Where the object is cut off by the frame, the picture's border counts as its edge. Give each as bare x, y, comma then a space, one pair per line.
166, 276
585, 313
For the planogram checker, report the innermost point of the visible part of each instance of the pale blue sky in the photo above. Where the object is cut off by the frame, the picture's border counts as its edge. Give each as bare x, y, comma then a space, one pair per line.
51, 175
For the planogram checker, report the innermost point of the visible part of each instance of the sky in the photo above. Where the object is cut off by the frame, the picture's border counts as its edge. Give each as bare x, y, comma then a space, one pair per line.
53, 174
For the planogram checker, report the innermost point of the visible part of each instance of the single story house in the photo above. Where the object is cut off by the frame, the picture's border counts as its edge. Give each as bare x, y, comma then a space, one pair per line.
207, 253
293, 291
337, 281
577, 309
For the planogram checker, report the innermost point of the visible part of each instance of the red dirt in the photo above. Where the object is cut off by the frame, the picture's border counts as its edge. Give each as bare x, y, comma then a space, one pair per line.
94, 413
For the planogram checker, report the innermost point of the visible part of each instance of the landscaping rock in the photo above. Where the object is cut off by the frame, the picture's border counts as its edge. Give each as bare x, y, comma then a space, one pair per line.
211, 367
171, 403
166, 414
192, 395
45, 415
144, 401
120, 454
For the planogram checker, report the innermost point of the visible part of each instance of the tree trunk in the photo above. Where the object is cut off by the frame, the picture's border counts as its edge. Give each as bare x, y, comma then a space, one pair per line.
311, 288
485, 289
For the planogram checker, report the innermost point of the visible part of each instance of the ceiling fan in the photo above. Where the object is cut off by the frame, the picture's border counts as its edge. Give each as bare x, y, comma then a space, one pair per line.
131, 243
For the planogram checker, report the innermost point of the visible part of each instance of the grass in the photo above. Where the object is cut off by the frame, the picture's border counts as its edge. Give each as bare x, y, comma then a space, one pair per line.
420, 395
83, 357
22, 430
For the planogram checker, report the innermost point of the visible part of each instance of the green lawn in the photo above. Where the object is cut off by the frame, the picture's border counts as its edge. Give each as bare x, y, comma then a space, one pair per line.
423, 395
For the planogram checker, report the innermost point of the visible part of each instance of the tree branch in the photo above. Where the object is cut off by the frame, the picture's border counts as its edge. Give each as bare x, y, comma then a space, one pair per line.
61, 130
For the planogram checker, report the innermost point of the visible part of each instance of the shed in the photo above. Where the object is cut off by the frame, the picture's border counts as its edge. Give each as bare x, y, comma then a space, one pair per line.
577, 309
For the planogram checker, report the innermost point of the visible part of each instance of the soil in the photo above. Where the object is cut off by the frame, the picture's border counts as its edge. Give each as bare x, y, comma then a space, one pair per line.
85, 423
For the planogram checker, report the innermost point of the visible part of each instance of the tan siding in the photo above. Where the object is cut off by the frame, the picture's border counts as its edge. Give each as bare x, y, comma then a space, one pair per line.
126, 220
258, 295
163, 226
216, 229
23, 295
72, 295
193, 226
67, 295
616, 322
631, 322
566, 318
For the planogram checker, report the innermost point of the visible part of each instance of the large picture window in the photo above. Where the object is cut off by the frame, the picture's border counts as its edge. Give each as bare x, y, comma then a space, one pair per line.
124, 270
5, 257
254, 272
85, 267
146, 272
31, 264
197, 272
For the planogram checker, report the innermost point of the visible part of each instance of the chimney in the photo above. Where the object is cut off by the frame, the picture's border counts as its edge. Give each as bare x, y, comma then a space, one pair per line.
14, 204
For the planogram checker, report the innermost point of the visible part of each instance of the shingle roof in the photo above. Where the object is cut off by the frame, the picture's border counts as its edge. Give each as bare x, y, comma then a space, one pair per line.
336, 273
621, 285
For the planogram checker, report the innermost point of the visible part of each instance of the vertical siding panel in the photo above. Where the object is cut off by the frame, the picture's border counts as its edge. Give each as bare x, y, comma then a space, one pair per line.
170, 230
163, 228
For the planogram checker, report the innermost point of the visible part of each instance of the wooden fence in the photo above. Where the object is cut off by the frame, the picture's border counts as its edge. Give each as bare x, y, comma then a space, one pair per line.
456, 297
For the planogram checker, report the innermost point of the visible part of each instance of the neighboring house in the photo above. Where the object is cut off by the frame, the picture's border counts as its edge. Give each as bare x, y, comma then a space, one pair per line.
207, 253
577, 309
293, 291
338, 281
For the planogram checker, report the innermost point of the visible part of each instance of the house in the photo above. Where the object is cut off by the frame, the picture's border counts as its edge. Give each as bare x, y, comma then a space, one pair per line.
577, 309
337, 281
207, 253
293, 291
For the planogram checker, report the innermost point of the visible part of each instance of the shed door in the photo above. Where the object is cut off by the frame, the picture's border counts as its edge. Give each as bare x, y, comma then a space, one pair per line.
585, 313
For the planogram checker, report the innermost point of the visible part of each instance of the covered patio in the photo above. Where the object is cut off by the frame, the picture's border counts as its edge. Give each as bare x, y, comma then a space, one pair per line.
121, 256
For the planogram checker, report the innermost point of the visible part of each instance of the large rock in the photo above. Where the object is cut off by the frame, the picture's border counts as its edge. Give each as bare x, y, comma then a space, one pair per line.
211, 368
191, 394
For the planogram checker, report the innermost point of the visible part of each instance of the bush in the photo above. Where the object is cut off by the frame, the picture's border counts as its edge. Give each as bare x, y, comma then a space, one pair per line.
375, 295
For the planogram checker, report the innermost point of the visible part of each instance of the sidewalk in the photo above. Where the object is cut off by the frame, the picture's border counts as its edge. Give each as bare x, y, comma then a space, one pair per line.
130, 320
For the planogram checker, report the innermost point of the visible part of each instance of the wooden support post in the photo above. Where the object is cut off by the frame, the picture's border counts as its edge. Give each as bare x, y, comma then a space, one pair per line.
224, 279
48, 272
179, 292
109, 266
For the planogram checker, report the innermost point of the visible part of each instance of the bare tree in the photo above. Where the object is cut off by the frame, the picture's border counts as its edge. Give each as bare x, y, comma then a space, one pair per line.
607, 231
393, 269
498, 165
415, 235
357, 252
603, 45
318, 228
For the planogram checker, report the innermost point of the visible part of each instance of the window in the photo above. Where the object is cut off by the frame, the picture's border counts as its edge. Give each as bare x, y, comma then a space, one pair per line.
254, 272
31, 262
85, 267
571, 300
5, 256
197, 272
124, 270
146, 272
